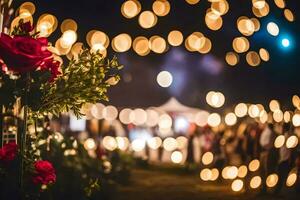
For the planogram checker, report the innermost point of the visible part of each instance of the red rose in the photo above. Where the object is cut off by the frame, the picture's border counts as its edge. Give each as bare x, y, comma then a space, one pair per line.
44, 173
8, 152
22, 53
26, 27
53, 66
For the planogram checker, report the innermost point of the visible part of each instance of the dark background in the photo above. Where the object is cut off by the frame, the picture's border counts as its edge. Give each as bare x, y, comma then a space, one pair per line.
194, 74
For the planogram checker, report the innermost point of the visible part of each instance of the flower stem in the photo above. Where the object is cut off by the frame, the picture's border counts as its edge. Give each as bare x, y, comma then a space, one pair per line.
22, 136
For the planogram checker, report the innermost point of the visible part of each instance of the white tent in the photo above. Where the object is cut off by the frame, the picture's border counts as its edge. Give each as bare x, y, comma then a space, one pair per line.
174, 106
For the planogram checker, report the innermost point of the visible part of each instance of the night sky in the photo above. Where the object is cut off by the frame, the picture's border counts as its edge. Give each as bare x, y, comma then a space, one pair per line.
194, 74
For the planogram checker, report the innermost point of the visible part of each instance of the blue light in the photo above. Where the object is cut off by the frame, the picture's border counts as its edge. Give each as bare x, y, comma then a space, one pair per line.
285, 42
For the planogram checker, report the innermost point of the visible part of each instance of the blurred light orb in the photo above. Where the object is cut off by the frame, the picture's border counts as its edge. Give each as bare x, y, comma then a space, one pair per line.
157, 44
263, 116
69, 37
170, 144
292, 142
161, 7
280, 3
175, 38
152, 118
237, 185
242, 171
264, 54
254, 165
274, 105
241, 110
110, 113
131, 8
27, 7
253, 111
68, 24
215, 99
232, 58
253, 58
232, 172
122, 143
291, 180
273, 29
164, 79
255, 182
285, 42
138, 116
154, 142
279, 141
240, 44
195, 42
296, 120
288, 14
272, 180
181, 142
97, 110
207, 158
214, 174
176, 157
147, 19
206, 174
121, 43
192, 2
245, 26
138, 145
214, 120
109, 143
141, 46
287, 116
90, 144
124, 116
259, 4
278, 116
224, 172
201, 118
230, 119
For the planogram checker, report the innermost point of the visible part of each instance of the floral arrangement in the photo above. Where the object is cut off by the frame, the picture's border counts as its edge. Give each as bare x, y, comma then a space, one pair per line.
35, 84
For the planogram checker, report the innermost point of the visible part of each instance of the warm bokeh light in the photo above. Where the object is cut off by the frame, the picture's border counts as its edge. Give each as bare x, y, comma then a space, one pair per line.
138, 145
214, 174
175, 38
255, 182
122, 143
232, 172
124, 116
240, 44
279, 141
241, 110
292, 142
253, 58
274, 105
237, 185
253, 111
90, 144
131, 8
152, 118
273, 29
207, 158
242, 171
141, 46
201, 118
121, 43
232, 58
157, 44
230, 119
170, 144
278, 116
206, 174
176, 157
272, 180
110, 113
109, 143
214, 120
97, 110
147, 19
291, 180
215, 99
138, 116
164, 79
254, 165
296, 120
154, 143
161, 7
